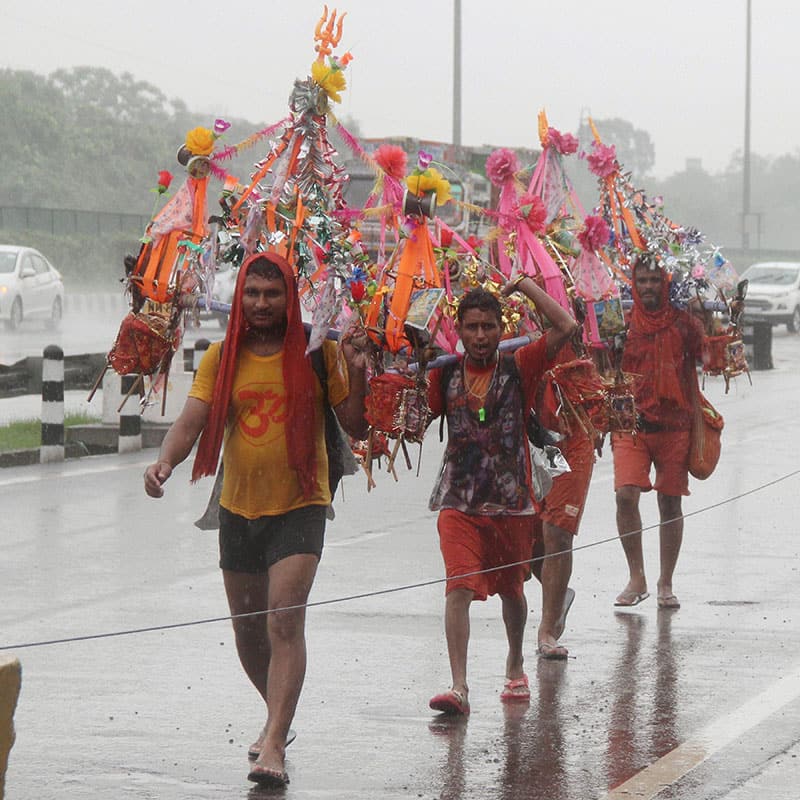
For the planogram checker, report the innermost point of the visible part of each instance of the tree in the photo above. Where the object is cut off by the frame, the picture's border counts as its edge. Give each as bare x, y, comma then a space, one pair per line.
122, 97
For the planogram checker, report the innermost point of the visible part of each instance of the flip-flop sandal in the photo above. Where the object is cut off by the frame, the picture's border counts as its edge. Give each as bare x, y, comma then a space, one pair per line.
450, 702
561, 622
670, 601
511, 692
255, 749
554, 652
627, 599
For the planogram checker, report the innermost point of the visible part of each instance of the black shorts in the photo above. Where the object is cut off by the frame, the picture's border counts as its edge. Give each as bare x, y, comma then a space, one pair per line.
254, 545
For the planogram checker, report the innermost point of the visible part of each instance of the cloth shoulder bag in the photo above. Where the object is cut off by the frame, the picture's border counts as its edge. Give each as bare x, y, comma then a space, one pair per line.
706, 435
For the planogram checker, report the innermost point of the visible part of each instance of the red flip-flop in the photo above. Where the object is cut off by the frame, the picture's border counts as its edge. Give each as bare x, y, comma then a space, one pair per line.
511, 693
450, 702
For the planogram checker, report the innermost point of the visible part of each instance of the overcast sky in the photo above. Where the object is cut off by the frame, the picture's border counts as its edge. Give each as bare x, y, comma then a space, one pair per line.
675, 69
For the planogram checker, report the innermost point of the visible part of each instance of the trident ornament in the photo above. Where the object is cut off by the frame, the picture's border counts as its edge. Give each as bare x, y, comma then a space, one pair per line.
324, 33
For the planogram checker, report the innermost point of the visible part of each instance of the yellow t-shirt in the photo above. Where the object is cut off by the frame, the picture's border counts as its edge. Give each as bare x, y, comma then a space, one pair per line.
258, 481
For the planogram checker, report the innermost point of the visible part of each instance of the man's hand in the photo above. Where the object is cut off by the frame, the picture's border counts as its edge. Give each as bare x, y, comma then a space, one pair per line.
509, 287
355, 346
154, 477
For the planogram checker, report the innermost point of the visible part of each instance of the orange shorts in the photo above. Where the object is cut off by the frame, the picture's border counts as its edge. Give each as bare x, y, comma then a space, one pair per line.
563, 504
668, 451
470, 544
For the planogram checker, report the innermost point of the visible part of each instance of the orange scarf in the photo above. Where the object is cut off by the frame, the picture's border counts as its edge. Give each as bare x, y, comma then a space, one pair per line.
298, 378
668, 344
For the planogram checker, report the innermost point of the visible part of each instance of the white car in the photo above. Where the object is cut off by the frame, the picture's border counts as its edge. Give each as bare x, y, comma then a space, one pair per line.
773, 293
30, 287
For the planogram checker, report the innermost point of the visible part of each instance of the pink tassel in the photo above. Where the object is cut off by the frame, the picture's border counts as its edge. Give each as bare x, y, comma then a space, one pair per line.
250, 141
356, 147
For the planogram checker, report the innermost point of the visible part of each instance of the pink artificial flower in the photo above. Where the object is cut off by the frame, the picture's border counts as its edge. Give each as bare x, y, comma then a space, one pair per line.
698, 271
564, 143
220, 126
532, 210
595, 233
602, 160
501, 166
392, 160
424, 160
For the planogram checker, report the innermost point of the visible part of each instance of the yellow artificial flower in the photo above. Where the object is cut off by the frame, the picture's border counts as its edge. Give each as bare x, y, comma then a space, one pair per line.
431, 180
330, 79
200, 141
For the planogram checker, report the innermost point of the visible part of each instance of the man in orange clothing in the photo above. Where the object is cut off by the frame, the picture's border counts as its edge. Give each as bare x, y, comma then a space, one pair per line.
662, 348
558, 520
483, 493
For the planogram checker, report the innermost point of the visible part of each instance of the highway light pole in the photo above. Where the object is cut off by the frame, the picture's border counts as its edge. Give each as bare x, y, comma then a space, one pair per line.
457, 72
746, 156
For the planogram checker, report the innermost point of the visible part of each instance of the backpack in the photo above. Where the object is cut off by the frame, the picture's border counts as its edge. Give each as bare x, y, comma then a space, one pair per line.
341, 460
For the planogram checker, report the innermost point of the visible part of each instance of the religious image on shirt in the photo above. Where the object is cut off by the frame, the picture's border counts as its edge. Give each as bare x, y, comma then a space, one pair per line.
263, 412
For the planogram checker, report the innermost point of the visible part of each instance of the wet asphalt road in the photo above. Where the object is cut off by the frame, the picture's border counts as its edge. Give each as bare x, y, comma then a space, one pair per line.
699, 703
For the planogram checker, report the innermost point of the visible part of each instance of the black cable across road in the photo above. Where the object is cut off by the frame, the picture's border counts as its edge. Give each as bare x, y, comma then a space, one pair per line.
394, 589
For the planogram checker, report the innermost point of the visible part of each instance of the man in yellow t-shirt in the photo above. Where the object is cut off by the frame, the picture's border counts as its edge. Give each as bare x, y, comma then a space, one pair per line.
257, 391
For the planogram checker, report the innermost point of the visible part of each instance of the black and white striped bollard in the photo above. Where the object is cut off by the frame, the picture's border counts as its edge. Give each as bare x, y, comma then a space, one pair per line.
130, 420
52, 447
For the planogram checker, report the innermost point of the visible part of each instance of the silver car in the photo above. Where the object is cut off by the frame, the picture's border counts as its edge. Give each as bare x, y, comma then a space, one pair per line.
773, 293
30, 287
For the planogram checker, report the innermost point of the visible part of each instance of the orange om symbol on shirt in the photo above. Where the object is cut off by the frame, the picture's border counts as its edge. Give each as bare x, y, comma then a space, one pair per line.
263, 408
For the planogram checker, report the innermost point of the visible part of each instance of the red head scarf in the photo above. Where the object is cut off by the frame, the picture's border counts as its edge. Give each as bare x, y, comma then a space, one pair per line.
298, 379
660, 324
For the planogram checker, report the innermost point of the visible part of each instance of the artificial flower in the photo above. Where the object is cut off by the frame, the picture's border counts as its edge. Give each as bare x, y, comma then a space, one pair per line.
164, 180
501, 166
474, 242
532, 210
431, 180
602, 160
424, 160
445, 238
330, 78
357, 291
200, 141
564, 143
392, 160
220, 126
595, 233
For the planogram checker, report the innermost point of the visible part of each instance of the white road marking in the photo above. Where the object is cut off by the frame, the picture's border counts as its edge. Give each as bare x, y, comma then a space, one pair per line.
107, 466
652, 780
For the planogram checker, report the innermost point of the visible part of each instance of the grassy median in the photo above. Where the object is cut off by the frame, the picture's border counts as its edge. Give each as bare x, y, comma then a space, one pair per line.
26, 434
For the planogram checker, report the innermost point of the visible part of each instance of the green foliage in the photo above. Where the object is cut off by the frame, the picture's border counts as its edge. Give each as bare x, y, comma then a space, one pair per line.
86, 262
86, 138
27, 434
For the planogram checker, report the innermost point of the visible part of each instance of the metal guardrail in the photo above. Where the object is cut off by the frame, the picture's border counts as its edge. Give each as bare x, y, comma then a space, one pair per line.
25, 376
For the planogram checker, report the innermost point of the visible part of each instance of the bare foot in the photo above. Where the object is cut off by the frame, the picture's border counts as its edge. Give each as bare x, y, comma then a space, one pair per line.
272, 757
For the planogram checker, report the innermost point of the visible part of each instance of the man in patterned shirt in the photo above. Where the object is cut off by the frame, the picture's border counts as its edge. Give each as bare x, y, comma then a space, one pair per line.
483, 493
